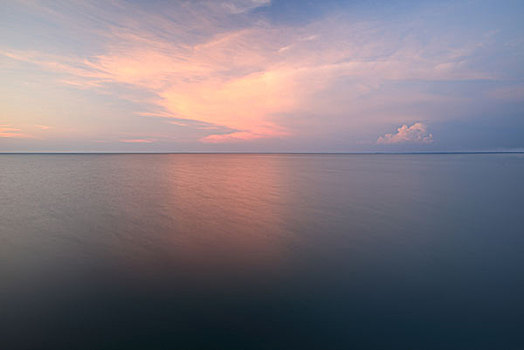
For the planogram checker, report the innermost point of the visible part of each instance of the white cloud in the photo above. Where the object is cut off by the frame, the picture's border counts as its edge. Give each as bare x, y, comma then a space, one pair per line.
416, 133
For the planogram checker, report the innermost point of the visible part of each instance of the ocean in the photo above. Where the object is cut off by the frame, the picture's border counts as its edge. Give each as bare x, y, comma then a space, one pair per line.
262, 251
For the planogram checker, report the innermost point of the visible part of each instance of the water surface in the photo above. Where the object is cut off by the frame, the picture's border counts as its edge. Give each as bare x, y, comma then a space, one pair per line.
247, 251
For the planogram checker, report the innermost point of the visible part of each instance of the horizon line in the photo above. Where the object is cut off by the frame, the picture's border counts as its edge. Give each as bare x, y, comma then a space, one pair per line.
319, 153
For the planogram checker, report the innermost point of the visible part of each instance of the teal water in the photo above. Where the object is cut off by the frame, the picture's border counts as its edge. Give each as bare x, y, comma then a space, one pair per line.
254, 251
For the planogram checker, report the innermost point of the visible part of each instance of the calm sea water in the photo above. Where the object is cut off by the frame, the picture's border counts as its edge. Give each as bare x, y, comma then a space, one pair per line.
262, 251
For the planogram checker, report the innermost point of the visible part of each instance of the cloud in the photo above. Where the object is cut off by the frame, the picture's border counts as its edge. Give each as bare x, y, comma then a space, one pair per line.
42, 127
232, 137
211, 64
240, 6
416, 133
508, 93
9, 132
137, 141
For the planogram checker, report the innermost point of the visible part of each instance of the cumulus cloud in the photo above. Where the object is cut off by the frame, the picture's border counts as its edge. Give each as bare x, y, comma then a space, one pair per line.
416, 133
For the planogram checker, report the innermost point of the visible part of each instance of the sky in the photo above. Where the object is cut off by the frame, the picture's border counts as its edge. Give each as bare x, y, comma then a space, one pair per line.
261, 76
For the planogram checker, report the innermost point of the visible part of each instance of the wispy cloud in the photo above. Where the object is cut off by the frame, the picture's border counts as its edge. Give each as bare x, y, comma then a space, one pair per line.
212, 66
137, 140
42, 127
416, 133
507, 93
9, 132
240, 6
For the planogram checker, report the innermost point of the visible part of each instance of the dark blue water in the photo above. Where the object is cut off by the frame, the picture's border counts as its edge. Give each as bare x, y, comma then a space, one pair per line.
262, 251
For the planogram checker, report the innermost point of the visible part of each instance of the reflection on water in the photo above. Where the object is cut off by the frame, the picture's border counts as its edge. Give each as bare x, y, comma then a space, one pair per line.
229, 209
261, 251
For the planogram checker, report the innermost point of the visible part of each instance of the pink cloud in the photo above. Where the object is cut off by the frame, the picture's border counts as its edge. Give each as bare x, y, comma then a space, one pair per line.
250, 79
8, 132
137, 141
416, 133
232, 137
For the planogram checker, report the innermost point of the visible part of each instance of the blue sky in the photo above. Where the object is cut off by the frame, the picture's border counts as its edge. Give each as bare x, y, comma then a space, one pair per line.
261, 75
